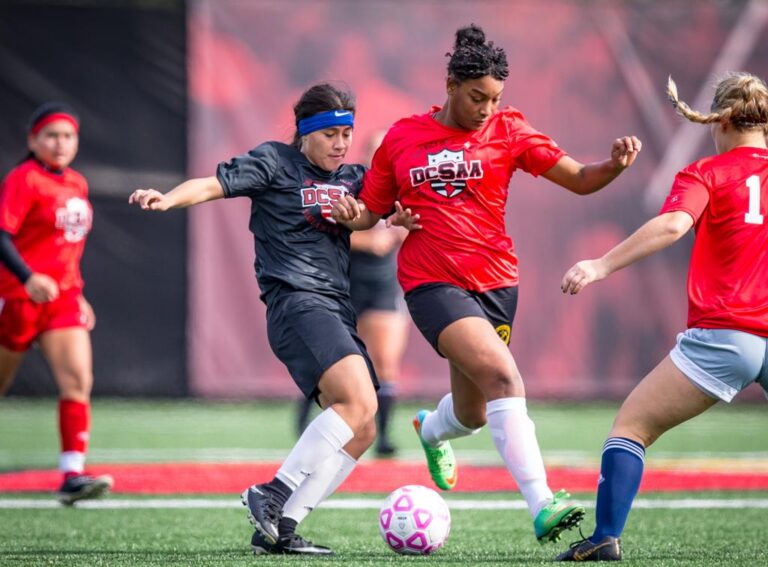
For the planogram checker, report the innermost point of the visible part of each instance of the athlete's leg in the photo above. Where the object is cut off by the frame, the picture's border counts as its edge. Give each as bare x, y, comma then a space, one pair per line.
9, 363
349, 401
68, 352
384, 333
662, 400
487, 386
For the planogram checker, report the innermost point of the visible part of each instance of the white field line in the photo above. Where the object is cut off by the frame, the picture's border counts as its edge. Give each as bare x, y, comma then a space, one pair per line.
367, 504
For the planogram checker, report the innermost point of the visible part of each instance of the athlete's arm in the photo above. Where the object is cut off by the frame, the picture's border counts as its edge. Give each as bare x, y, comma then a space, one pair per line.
11, 259
353, 214
191, 192
585, 179
658, 233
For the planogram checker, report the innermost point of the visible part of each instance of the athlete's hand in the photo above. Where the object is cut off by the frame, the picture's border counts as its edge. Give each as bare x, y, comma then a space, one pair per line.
149, 200
347, 209
582, 274
403, 217
624, 151
87, 312
41, 288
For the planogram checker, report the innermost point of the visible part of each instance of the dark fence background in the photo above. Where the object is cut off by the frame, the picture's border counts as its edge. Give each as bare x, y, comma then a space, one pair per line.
159, 80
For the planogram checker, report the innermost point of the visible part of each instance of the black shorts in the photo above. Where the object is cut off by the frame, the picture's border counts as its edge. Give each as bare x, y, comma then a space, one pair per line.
375, 294
435, 306
310, 332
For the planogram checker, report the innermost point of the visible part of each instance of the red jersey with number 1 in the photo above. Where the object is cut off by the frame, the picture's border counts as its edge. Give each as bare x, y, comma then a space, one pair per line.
727, 196
457, 181
49, 216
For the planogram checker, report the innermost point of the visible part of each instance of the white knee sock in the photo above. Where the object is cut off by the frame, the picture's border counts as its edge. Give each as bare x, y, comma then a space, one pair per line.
514, 434
322, 438
319, 486
442, 424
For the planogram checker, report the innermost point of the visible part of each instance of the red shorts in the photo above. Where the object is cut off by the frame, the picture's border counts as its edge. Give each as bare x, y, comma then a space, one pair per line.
23, 320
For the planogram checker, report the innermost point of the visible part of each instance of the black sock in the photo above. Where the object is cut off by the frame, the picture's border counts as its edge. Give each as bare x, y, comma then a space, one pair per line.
304, 406
281, 490
386, 397
286, 527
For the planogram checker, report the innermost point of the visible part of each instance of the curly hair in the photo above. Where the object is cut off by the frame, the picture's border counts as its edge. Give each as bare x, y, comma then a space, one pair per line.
473, 57
741, 99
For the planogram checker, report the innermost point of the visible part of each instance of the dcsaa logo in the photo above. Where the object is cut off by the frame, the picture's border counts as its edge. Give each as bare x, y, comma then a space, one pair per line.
74, 218
447, 172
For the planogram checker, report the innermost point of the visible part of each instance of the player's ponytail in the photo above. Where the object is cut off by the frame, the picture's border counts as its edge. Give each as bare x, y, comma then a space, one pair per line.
741, 99
321, 98
474, 57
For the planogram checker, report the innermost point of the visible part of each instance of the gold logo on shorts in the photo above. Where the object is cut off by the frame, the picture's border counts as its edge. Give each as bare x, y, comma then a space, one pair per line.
503, 332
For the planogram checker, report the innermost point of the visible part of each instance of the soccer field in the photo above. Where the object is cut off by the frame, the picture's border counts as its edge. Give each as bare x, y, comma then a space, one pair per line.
211, 529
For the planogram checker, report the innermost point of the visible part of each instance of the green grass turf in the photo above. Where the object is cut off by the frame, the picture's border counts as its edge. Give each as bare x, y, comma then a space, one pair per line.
131, 431
72, 537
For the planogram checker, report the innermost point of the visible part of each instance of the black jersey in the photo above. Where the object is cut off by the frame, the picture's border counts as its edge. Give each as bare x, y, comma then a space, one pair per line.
296, 246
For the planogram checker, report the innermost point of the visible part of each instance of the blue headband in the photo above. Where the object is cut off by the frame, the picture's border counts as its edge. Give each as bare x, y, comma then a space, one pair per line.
324, 120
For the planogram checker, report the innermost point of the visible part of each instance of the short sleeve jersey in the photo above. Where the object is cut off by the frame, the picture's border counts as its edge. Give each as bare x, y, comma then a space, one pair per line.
298, 246
49, 216
457, 181
727, 197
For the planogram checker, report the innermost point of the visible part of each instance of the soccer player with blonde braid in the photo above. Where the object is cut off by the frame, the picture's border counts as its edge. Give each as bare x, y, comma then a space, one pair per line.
723, 351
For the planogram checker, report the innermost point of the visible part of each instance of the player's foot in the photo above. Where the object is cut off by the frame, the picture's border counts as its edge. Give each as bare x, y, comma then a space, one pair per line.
263, 510
556, 517
260, 545
607, 549
385, 449
83, 487
294, 544
440, 460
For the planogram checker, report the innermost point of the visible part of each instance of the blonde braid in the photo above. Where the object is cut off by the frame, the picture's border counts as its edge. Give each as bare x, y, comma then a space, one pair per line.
687, 112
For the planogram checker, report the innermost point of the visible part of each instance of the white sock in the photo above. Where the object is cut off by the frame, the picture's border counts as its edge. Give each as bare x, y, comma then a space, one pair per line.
514, 434
442, 424
322, 438
319, 486
72, 461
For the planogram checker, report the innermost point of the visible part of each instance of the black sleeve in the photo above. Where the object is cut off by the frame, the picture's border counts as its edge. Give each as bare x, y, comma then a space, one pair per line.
11, 259
250, 173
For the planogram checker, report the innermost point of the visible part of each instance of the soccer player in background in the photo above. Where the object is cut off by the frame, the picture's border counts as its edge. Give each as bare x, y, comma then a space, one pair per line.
451, 169
381, 320
302, 263
45, 217
724, 348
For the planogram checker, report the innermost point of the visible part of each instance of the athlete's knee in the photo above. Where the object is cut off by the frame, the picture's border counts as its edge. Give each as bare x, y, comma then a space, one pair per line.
74, 385
367, 433
471, 417
500, 382
636, 430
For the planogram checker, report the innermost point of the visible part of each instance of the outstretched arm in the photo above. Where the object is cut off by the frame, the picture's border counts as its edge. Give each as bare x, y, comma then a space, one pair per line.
655, 235
191, 192
585, 179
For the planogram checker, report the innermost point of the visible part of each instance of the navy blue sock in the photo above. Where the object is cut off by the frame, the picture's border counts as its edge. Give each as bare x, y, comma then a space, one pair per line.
620, 474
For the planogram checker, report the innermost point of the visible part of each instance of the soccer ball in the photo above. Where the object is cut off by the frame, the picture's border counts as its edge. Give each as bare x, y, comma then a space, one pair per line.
414, 520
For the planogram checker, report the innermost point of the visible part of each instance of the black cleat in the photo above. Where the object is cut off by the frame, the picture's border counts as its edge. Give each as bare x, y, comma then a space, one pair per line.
263, 510
260, 545
83, 487
294, 544
607, 549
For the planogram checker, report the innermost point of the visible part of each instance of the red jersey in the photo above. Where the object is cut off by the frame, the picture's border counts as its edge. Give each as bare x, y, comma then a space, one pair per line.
457, 181
49, 216
727, 196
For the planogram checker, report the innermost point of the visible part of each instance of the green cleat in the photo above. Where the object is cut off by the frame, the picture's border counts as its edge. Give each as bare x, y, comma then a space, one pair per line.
440, 460
556, 517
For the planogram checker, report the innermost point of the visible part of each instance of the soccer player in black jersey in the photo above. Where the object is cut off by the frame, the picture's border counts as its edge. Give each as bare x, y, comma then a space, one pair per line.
381, 319
302, 267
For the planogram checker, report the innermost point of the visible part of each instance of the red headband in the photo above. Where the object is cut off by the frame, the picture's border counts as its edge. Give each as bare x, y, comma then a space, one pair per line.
53, 117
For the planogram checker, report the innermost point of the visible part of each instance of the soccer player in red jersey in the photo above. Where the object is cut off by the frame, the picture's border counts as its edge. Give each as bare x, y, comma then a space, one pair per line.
45, 217
724, 348
447, 174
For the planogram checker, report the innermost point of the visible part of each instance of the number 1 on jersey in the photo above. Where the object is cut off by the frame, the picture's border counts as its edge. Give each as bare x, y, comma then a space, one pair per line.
754, 216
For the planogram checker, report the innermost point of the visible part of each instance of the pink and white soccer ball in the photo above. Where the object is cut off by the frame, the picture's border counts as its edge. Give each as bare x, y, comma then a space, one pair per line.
414, 520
